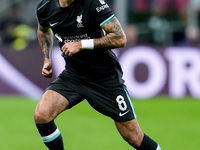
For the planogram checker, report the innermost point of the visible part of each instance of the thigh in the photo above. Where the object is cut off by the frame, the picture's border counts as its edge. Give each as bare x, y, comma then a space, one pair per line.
50, 105
59, 96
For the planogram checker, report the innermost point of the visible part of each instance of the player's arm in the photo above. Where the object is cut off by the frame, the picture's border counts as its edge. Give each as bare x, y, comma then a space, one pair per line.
114, 38
45, 39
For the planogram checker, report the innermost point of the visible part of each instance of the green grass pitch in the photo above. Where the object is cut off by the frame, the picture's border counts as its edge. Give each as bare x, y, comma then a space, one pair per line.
174, 124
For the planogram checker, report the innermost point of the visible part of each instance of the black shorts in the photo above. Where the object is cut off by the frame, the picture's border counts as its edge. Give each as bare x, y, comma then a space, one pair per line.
108, 96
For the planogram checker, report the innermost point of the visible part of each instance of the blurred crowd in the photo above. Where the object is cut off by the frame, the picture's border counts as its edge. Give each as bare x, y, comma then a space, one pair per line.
166, 22
180, 6
151, 22
17, 23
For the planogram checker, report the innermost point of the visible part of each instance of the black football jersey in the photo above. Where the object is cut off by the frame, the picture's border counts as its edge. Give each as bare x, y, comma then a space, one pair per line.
82, 19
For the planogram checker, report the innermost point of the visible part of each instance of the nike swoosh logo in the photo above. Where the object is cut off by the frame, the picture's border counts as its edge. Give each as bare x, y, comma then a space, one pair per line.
53, 24
122, 114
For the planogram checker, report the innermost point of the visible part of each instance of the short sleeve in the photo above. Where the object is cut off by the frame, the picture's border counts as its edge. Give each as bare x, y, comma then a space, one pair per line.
41, 15
101, 11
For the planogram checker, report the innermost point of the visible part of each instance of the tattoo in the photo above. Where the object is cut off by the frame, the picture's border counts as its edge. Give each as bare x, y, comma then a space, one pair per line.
46, 43
114, 36
115, 28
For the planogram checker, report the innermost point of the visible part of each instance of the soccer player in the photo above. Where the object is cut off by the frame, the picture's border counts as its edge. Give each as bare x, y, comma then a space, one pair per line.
86, 30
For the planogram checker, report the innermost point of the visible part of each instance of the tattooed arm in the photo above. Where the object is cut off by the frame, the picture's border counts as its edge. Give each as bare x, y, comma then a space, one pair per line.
45, 39
114, 38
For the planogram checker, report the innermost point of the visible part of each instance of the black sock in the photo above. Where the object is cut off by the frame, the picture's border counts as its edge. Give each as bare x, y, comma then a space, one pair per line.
148, 144
51, 135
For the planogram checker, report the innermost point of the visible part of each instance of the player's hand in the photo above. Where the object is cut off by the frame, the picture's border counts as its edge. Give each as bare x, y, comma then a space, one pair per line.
71, 48
47, 71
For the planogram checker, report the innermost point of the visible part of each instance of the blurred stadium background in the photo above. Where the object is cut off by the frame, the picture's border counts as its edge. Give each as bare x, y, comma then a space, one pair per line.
161, 65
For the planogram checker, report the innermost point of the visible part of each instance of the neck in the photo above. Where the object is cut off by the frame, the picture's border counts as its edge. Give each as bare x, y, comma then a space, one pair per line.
65, 3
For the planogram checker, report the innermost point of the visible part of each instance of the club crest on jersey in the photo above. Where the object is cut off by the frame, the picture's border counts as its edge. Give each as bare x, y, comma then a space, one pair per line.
79, 20
102, 2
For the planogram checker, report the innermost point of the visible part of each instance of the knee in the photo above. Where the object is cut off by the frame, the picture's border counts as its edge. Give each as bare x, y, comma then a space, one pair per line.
133, 139
40, 116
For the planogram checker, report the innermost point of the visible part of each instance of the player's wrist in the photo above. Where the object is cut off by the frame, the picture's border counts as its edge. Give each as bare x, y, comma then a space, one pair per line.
47, 59
87, 44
